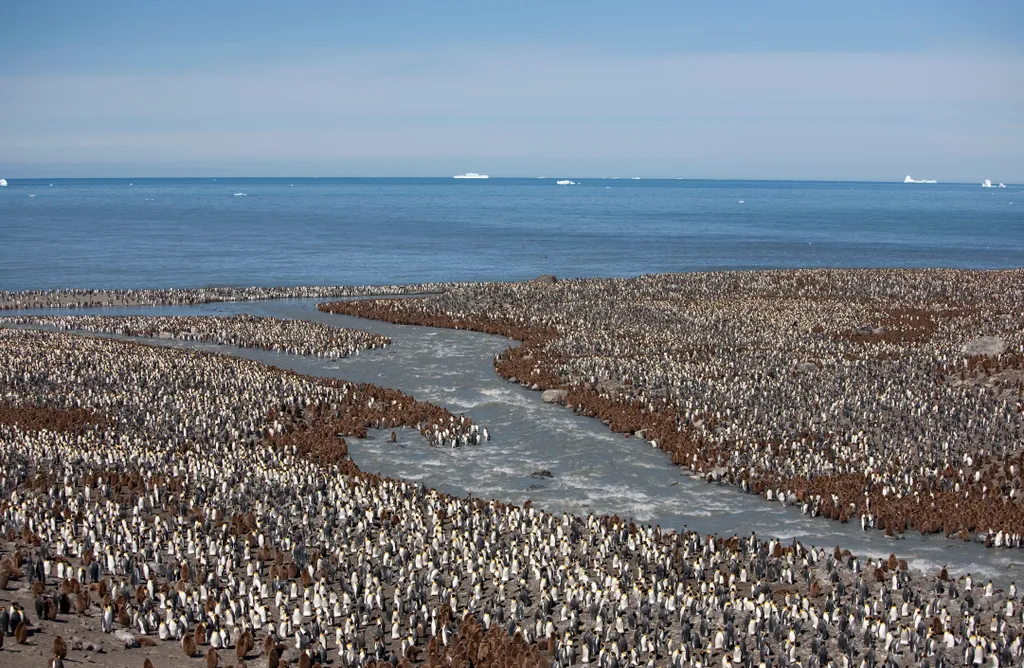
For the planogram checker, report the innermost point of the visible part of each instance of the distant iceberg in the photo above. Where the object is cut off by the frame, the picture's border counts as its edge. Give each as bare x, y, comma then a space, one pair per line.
471, 175
565, 182
912, 180
3, 182
987, 184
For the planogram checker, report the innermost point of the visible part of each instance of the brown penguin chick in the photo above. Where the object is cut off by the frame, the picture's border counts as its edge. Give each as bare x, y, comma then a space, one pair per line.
243, 645
188, 645
147, 664
273, 660
394, 437
51, 609
21, 634
212, 659
304, 661
269, 644
200, 634
60, 648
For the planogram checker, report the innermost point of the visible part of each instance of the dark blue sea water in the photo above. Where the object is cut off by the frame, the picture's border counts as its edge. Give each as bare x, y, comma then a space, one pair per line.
118, 233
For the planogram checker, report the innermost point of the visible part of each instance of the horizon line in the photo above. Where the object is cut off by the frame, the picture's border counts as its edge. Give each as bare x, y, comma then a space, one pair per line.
488, 178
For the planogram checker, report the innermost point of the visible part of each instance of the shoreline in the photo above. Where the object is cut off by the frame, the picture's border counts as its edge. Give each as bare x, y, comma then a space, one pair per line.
74, 298
85, 298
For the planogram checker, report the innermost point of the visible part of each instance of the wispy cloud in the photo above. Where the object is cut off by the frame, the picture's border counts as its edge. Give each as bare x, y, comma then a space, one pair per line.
796, 111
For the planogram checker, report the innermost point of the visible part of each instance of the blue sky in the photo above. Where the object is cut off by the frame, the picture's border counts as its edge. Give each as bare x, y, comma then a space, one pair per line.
865, 90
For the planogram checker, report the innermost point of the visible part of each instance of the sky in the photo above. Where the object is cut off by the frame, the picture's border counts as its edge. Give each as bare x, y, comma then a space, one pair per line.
865, 90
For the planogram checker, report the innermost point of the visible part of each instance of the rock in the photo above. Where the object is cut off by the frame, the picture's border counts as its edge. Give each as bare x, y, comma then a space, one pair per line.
77, 643
129, 639
546, 278
535, 387
542, 473
290, 655
985, 345
554, 396
513, 379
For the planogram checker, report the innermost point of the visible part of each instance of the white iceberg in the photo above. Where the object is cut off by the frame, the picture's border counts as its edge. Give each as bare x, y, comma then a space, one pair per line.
987, 184
565, 182
913, 180
471, 175
3, 182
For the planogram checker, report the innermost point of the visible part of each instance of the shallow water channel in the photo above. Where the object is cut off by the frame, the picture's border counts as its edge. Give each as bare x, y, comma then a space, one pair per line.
592, 469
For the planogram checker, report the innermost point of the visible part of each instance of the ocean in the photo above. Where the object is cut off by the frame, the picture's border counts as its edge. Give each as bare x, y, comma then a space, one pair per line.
153, 233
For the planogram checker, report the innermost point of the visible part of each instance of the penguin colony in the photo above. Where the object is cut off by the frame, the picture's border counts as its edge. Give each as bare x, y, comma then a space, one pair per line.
892, 398
298, 337
130, 471
80, 298
200, 507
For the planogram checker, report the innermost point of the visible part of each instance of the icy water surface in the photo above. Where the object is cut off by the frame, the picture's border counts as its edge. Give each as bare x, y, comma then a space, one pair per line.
593, 470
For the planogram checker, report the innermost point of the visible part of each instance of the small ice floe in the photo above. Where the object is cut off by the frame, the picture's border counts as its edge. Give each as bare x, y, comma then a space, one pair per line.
741, 201
240, 195
565, 182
